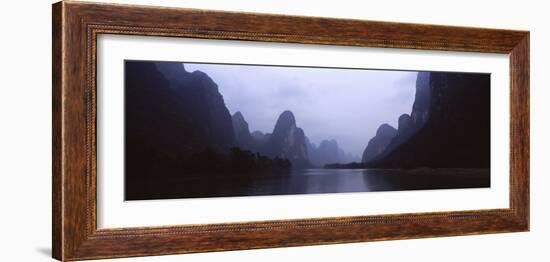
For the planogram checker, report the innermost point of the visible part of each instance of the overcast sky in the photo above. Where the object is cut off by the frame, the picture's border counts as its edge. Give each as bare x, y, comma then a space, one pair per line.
343, 104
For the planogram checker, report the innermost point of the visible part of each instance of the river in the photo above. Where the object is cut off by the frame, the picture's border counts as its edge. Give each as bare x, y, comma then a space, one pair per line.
315, 181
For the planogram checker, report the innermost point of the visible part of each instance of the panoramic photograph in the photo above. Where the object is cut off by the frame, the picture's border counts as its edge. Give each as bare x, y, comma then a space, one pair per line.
197, 130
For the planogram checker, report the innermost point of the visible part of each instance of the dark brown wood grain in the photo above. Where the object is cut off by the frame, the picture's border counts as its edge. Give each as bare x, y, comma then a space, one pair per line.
57, 191
519, 129
76, 26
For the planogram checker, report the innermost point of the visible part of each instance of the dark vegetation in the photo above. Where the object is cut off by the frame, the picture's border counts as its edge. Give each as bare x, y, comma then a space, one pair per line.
236, 161
352, 165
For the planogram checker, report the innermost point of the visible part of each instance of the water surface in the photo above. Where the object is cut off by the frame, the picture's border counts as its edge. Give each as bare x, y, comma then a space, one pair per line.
311, 181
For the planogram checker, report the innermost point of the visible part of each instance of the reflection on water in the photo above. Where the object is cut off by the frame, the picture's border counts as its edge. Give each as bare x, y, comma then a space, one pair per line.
308, 181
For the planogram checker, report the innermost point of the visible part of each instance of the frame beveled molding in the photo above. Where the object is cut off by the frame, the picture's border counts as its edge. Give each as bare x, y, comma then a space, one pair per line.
75, 28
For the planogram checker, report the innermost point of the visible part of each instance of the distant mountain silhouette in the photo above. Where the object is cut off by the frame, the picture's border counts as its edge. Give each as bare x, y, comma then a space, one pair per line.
287, 141
328, 152
348, 157
379, 143
242, 133
449, 125
260, 138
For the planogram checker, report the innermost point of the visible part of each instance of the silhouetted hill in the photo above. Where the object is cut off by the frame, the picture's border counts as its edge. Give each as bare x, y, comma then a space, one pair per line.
242, 133
347, 157
202, 105
328, 152
259, 137
408, 125
287, 141
422, 99
379, 143
449, 124
161, 117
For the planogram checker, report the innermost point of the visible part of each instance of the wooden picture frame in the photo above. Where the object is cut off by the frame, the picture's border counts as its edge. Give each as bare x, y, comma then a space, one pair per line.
76, 26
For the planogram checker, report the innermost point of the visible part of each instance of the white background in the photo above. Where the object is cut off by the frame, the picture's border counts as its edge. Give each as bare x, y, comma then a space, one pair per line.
25, 136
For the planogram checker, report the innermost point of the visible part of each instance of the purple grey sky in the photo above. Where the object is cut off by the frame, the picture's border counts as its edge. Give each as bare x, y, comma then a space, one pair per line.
343, 104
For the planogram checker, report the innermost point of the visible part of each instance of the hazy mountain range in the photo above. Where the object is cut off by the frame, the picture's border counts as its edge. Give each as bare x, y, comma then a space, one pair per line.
290, 142
449, 126
172, 114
